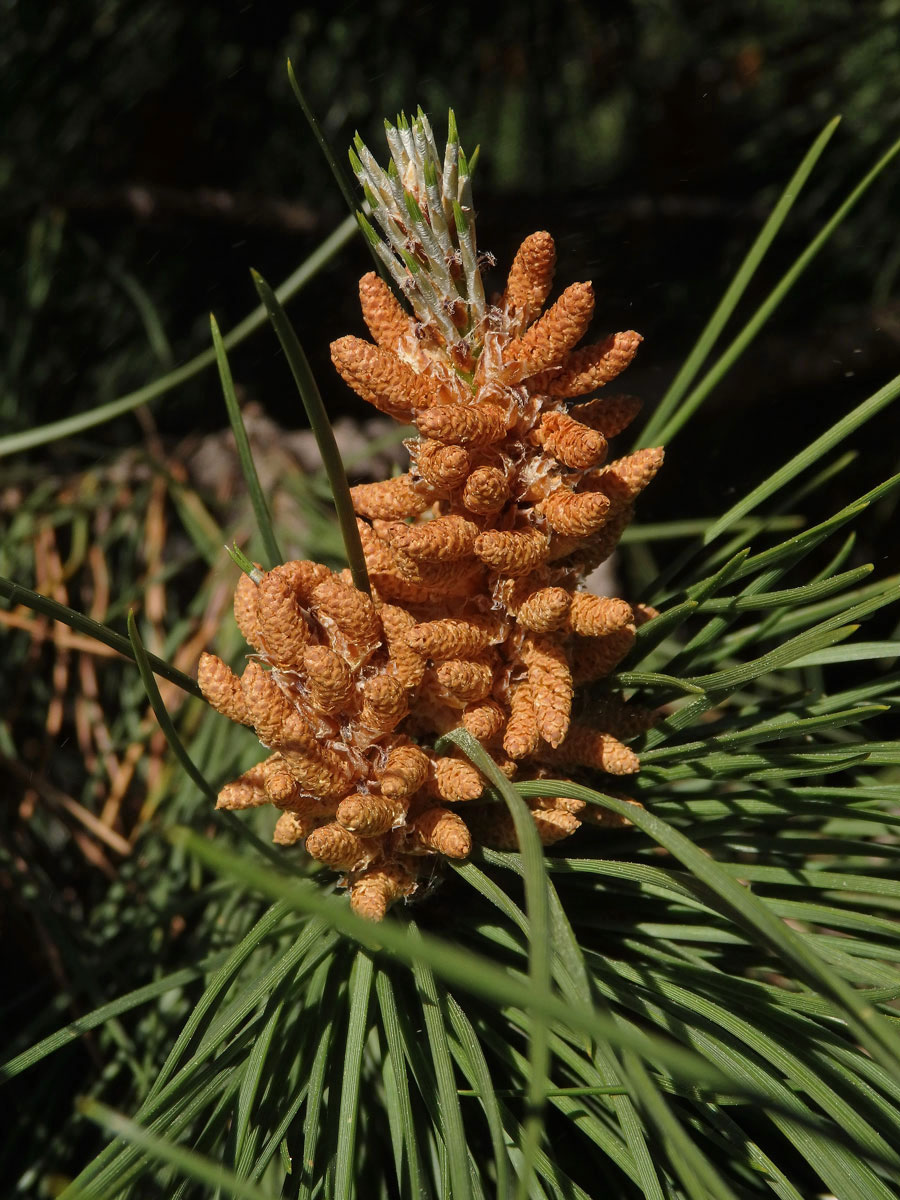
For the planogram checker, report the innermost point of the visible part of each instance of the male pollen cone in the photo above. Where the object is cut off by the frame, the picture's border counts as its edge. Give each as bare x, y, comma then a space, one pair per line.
478, 556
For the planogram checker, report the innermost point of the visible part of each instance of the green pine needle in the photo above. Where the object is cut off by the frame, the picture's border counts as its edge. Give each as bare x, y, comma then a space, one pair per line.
55, 431
245, 454
321, 427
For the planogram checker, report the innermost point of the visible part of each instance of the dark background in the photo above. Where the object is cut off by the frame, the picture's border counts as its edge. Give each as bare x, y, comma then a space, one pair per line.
153, 152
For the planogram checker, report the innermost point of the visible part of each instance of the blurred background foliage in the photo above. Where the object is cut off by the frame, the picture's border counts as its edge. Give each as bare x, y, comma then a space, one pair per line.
152, 153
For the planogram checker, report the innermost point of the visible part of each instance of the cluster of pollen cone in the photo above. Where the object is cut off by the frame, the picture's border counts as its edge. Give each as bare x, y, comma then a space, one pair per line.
477, 556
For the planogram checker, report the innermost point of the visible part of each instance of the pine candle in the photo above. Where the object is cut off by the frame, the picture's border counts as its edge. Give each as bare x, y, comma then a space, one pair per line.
477, 557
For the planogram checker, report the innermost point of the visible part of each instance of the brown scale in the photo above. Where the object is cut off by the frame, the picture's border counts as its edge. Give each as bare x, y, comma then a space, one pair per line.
445, 539
575, 515
463, 426
522, 735
544, 610
478, 618
484, 719
382, 379
222, 688
571, 443
405, 771
550, 682
245, 612
247, 791
454, 637
282, 627
370, 815
596, 616
493, 825
442, 466
349, 617
282, 788
385, 703
329, 679
512, 552
590, 367
438, 831
291, 828
267, 706
392, 499
386, 320
460, 681
486, 490
405, 663
609, 415
595, 657
553, 335
373, 891
644, 613
329, 780
530, 280
584, 747
341, 848
456, 780
560, 804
